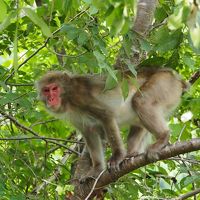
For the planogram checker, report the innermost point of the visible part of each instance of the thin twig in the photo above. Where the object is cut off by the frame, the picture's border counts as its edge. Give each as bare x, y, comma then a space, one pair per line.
20, 84
179, 137
68, 56
93, 187
187, 195
186, 160
43, 122
39, 138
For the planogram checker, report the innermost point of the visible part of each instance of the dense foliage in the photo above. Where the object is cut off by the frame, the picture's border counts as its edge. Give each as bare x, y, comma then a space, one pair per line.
84, 36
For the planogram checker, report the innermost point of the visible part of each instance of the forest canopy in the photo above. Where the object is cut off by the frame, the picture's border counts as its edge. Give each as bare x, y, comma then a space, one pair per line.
39, 154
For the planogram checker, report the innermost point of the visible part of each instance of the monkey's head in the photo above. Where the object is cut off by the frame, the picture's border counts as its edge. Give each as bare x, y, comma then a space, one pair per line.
51, 89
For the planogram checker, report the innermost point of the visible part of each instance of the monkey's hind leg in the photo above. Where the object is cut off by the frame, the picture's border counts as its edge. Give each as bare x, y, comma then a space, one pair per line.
152, 117
137, 141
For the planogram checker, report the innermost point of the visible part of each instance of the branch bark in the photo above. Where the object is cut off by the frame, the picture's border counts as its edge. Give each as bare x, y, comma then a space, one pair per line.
144, 17
135, 163
141, 27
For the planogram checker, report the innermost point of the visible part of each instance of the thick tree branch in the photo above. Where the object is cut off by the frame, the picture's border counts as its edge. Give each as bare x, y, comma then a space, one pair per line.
141, 26
144, 17
137, 162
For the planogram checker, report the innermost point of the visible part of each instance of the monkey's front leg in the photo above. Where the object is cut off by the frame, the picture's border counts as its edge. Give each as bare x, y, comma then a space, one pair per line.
116, 143
95, 148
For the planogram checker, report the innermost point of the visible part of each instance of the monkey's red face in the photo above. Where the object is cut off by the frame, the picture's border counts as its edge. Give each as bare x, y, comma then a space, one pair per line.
52, 94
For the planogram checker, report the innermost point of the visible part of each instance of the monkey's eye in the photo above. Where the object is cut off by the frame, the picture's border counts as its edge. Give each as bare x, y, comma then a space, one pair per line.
45, 90
55, 88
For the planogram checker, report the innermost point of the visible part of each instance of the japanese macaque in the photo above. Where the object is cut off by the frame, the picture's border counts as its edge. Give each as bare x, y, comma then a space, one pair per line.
99, 113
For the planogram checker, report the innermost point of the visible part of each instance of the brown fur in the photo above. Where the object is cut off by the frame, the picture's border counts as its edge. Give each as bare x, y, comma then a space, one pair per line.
98, 113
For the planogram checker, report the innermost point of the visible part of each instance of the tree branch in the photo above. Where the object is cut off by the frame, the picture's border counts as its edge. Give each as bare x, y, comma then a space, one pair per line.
137, 162
20, 137
187, 195
141, 27
194, 77
144, 17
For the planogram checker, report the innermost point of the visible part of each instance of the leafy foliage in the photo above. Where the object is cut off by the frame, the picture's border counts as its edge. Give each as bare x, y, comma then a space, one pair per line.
84, 36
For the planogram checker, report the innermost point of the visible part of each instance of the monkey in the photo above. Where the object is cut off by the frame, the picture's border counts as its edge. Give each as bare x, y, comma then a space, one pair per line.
99, 114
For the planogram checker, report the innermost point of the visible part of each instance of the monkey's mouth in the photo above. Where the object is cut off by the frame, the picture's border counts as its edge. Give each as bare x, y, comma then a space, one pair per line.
52, 102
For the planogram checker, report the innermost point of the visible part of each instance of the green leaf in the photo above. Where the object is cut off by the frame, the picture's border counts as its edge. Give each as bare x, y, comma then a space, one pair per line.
3, 10
18, 197
195, 106
82, 38
125, 88
189, 180
71, 31
6, 22
38, 21
100, 57
58, 5
98, 42
187, 59
176, 129
88, 1
102, 63
66, 6
145, 45
109, 69
131, 67
160, 14
110, 83
175, 20
166, 40
195, 36
116, 20
93, 10
4, 86
164, 184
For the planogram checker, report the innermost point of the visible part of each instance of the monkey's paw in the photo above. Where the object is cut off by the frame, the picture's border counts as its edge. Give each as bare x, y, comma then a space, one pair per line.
115, 160
153, 153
